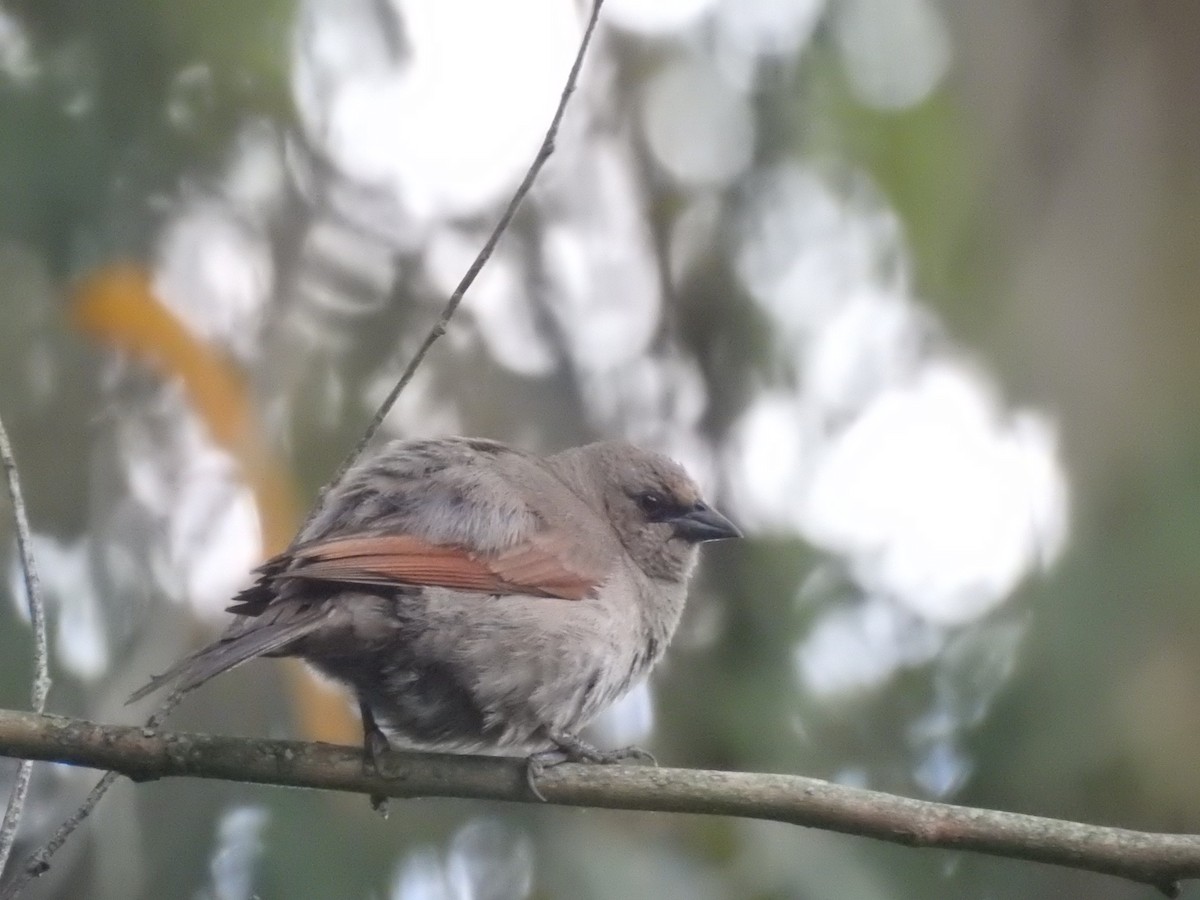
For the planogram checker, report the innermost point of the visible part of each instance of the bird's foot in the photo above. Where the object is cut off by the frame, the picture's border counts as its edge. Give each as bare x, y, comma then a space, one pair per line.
630, 754
569, 748
575, 750
375, 749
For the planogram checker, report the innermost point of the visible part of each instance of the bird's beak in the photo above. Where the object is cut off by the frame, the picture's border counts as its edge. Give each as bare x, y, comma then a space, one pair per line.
703, 523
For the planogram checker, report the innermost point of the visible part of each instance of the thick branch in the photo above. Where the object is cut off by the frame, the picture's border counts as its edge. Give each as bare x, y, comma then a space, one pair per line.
141, 754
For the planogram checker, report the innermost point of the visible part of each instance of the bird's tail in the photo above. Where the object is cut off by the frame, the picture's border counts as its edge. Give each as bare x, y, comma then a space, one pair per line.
246, 639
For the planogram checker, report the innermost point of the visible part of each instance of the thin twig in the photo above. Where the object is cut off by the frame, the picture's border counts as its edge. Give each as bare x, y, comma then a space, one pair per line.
439, 328
41, 654
1160, 860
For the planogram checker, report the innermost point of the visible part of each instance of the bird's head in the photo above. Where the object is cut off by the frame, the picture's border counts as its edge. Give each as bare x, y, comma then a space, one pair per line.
655, 508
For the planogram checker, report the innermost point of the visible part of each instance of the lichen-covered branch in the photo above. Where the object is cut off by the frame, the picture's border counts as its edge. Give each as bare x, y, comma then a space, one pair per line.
143, 754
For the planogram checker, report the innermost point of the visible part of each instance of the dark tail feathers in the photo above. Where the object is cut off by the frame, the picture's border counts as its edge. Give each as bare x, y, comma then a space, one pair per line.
257, 637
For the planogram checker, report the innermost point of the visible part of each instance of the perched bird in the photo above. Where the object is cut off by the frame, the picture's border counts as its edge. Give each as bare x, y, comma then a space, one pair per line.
474, 596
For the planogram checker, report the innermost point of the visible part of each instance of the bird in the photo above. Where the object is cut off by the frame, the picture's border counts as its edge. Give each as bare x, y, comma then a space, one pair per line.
475, 597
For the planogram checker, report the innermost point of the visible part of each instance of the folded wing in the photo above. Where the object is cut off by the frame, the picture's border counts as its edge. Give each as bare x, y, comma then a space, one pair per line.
538, 566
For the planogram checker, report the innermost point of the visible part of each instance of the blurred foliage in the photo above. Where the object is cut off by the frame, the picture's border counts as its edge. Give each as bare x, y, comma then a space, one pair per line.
1051, 219
920, 157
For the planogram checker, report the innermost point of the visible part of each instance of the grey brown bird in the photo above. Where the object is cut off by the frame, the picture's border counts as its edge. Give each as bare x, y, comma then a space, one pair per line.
475, 597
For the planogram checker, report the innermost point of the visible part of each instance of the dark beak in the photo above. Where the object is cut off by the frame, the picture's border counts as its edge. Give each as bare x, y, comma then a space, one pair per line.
703, 523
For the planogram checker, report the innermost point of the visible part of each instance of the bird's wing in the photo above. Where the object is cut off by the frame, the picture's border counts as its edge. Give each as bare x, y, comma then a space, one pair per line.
457, 492
537, 566
462, 514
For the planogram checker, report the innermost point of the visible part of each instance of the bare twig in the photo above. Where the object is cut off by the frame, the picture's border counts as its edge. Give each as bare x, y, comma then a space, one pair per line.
1160, 860
41, 663
439, 328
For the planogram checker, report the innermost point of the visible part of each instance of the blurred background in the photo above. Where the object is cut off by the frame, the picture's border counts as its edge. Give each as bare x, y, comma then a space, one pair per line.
906, 284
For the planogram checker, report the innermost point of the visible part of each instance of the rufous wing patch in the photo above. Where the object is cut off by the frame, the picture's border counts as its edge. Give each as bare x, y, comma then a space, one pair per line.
381, 560
541, 561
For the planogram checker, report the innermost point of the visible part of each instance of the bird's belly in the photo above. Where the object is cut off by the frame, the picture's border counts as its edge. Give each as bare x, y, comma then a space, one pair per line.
472, 672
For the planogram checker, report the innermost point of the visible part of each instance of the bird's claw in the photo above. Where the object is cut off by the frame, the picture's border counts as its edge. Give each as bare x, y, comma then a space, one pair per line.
375, 750
626, 754
535, 765
571, 749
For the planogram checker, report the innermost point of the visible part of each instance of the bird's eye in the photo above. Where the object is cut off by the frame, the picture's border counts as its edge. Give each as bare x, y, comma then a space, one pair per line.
651, 503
